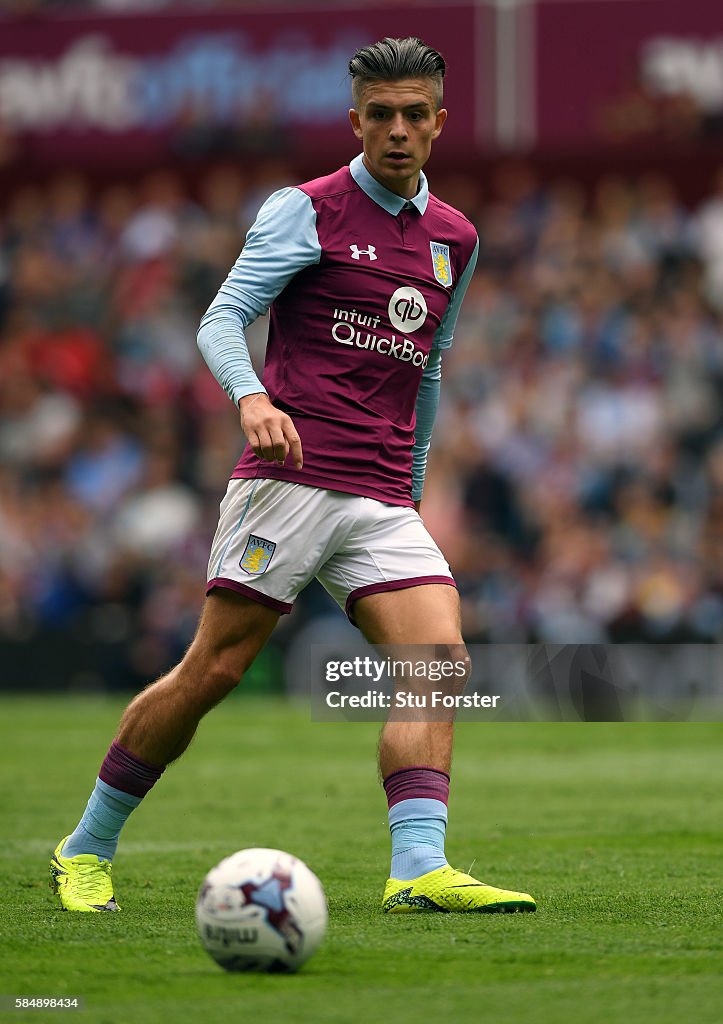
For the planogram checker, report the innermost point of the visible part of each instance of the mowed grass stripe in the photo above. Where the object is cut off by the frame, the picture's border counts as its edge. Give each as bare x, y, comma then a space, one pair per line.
615, 828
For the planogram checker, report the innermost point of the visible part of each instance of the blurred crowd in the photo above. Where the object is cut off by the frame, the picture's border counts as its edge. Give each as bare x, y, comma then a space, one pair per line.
576, 475
577, 480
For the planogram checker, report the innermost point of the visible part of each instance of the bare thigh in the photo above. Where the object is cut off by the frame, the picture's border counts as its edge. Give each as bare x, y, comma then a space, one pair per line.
428, 616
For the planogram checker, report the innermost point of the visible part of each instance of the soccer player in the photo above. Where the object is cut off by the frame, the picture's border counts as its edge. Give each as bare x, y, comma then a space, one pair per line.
363, 272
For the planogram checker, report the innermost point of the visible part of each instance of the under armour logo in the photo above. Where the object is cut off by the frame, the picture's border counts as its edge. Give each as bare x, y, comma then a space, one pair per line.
370, 251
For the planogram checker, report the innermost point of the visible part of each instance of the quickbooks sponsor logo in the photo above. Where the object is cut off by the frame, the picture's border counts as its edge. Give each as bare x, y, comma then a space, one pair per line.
407, 309
346, 330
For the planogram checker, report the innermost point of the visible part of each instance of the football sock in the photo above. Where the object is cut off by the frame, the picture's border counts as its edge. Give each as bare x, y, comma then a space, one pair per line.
100, 826
417, 799
121, 785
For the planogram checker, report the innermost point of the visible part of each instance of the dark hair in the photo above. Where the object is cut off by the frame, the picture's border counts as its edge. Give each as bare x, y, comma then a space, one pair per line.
392, 59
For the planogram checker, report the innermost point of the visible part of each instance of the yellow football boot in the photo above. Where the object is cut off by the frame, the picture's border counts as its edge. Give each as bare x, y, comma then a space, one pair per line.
447, 890
83, 882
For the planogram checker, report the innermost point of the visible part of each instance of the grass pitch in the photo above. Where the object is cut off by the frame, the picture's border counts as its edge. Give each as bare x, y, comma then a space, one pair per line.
616, 829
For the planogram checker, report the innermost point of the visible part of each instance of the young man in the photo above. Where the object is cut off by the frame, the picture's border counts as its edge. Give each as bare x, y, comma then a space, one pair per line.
364, 272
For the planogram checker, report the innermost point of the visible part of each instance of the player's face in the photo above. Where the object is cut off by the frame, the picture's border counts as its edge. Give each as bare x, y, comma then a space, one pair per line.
397, 122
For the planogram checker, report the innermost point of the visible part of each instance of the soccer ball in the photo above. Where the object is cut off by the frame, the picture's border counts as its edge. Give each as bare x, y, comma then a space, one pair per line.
261, 910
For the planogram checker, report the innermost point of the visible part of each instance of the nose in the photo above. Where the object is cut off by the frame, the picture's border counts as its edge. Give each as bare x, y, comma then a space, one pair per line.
397, 127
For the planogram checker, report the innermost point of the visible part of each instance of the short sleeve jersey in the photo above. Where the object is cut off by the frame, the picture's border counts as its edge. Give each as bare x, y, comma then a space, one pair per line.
350, 335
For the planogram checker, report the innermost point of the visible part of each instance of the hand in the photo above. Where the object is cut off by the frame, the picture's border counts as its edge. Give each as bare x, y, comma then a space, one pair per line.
270, 432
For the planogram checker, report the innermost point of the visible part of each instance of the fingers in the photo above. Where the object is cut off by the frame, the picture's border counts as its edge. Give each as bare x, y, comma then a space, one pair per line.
272, 435
275, 443
269, 447
295, 447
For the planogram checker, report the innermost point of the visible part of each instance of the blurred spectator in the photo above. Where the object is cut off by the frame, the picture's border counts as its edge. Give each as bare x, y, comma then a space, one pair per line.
709, 231
576, 474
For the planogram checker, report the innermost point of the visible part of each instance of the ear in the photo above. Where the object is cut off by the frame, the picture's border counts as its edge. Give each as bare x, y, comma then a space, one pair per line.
439, 120
355, 123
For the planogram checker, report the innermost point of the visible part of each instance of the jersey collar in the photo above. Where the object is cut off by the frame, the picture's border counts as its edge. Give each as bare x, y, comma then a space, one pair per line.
388, 201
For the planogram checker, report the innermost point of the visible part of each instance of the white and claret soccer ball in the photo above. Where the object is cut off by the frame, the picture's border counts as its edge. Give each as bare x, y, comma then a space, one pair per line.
261, 910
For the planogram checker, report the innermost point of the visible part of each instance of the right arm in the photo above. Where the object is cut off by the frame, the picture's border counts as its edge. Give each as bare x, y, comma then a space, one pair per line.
281, 242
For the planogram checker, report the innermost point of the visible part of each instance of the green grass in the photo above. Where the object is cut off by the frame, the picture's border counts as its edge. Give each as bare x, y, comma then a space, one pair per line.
617, 830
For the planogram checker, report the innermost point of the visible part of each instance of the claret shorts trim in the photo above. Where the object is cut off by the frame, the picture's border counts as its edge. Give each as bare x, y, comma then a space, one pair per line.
274, 537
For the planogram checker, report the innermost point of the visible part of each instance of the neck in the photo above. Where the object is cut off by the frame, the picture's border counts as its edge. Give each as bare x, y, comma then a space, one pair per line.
406, 189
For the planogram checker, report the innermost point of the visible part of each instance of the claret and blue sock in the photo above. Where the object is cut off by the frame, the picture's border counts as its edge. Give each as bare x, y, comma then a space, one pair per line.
417, 799
122, 782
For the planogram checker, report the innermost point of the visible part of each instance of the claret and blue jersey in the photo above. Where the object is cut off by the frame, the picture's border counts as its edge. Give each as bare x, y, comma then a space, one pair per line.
364, 288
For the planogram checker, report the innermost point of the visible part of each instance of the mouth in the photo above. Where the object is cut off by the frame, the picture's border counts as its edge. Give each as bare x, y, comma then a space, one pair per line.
397, 156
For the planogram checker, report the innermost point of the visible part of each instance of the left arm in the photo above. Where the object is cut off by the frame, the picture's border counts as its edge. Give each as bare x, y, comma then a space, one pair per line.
429, 388
426, 411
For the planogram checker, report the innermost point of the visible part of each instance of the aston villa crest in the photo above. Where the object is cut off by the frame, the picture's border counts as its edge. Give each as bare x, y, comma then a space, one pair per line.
441, 264
257, 555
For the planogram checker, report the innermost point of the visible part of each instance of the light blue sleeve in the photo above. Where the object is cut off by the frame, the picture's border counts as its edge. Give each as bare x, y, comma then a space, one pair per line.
280, 243
426, 410
431, 383
445, 332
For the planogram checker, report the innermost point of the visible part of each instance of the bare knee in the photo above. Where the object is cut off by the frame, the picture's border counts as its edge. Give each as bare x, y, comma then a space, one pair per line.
460, 665
231, 633
449, 665
211, 676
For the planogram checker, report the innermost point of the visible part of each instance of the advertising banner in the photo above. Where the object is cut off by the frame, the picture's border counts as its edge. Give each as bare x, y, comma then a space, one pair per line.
625, 71
105, 89
556, 76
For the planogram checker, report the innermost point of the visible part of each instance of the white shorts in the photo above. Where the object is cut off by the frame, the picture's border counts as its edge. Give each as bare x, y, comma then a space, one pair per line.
274, 537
